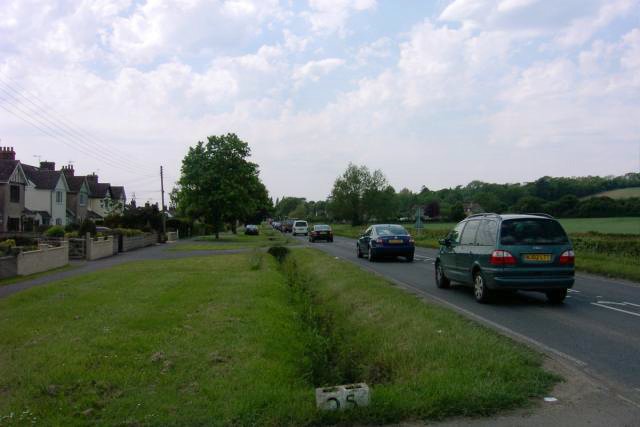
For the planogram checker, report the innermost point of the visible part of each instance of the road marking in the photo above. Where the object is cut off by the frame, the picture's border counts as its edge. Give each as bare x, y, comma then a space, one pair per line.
614, 308
573, 291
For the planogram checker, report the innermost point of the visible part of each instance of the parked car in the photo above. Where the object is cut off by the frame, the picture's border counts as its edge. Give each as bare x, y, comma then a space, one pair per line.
382, 240
300, 227
287, 226
103, 230
490, 252
251, 229
321, 232
276, 225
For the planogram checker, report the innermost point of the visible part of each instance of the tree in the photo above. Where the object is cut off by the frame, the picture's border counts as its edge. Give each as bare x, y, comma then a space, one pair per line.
218, 184
457, 212
357, 192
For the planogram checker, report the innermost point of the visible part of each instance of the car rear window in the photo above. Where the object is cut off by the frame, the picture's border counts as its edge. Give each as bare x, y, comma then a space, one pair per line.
321, 228
532, 231
300, 224
391, 230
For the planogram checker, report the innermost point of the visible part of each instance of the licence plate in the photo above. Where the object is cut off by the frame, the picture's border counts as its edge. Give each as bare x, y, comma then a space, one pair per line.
538, 257
395, 241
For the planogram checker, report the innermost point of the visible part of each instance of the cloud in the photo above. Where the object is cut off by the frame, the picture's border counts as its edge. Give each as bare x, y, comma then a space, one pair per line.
329, 16
314, 70
379, 49
581, 30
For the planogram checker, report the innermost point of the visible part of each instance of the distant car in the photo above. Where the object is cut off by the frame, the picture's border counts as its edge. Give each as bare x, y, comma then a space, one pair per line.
382, 240
287, 226
251, 230
276, 225
321, 232
300, 227
103, 230
490, 252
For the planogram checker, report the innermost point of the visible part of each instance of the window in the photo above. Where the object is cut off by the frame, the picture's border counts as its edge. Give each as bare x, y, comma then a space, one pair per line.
469, 233
454, 235
532, 232
487, 233
391, 230
58, 221
300, 224
83, 199
59, 197
15, 194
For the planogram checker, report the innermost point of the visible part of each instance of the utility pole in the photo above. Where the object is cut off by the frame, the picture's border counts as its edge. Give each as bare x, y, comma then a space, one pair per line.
164, 215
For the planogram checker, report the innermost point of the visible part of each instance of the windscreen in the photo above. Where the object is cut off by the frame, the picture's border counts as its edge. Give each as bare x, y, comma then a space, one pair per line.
391, 230
300, 224
532, 231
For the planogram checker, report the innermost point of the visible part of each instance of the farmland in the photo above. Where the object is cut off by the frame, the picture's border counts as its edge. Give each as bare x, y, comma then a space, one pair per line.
621, 193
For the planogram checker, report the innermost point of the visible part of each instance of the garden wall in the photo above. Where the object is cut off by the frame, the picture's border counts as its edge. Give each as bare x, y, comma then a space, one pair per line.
42, 260
135, 242
8, 267
101, 248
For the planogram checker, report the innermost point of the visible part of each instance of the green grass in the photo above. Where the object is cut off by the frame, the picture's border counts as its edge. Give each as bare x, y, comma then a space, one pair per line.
621, 193
229, 241
622, 225
221, 340
18, 279
624, 267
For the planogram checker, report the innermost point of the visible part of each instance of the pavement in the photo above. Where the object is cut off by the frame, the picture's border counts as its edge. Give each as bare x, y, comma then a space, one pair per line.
592, 340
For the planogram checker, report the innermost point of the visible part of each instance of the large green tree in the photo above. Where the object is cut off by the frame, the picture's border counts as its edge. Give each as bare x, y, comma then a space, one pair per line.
219, 184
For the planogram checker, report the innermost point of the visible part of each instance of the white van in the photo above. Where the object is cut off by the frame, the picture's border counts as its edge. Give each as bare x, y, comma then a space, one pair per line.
300, 227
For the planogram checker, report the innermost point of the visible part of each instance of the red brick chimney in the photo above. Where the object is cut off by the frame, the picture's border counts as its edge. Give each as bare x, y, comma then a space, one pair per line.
68, 170
7, 153
92, 178
47, 166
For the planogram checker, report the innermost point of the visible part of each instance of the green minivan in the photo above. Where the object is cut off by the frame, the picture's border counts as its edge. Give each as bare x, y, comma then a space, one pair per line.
529, 252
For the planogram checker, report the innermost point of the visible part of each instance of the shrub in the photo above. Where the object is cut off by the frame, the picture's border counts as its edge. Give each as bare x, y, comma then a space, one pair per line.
128, 232
55, 231
87, 226
5, 246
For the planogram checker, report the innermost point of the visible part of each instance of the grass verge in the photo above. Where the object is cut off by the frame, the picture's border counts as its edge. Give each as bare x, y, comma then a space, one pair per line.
623, 267
228, 241
18, 279
235, 340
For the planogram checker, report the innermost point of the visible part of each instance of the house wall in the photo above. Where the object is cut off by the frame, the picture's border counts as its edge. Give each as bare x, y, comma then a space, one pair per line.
9, 209
100, 206
59, 210
37, 200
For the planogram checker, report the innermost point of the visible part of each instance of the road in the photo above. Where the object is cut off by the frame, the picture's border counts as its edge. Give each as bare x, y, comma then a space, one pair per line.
597, 328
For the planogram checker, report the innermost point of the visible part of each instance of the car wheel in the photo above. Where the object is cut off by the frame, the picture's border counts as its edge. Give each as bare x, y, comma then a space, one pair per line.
409, 258
371, 256
358, 251
330, 240
442, 281
556, 296
480, 289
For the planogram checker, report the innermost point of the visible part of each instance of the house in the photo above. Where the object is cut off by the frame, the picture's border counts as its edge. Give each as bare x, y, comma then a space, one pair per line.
100, 198
119, 199
12, 187
46, 191
77, 196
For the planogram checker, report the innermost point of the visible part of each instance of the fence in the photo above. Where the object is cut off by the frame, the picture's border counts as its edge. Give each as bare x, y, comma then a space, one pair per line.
130, 243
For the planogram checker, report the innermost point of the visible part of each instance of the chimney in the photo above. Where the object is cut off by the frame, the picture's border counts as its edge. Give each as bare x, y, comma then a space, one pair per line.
47, 166
68, 170
92, 178
7, 153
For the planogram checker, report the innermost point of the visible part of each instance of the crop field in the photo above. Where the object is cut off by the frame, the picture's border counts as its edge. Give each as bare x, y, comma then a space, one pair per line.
621, 193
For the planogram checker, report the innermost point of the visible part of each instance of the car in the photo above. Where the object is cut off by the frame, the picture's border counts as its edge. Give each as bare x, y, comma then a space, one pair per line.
103, 230
251, 229
300, 227
321, 232
491, 252
287, 226
276, 225
383, 240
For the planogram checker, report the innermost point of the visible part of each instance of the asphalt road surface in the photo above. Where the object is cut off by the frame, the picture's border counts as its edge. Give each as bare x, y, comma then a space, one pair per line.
597, 328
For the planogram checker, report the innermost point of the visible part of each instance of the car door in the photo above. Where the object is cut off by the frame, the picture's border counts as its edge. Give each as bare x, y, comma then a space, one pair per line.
363, 241
465, 251
447, 252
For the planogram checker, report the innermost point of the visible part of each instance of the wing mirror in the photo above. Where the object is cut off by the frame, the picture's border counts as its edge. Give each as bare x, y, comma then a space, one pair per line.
445, 242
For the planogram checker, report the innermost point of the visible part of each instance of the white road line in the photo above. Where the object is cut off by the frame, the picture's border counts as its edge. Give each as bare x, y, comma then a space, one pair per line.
616, 309
573, 291
623, 303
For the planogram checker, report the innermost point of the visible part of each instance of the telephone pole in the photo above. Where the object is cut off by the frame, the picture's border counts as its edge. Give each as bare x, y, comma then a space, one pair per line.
164, 215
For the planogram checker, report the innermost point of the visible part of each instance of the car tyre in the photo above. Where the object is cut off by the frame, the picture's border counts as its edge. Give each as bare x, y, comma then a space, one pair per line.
442, 281
480, 290
370, 255
358, 253
556, 296
409, 258
330, 240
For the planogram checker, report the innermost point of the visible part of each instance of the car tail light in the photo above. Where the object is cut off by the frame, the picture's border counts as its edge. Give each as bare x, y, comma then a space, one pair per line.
379, 241
412, 240
567, 257
499, 257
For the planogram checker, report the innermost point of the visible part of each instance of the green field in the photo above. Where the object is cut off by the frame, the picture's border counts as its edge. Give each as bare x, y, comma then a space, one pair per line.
621, 193
226, 340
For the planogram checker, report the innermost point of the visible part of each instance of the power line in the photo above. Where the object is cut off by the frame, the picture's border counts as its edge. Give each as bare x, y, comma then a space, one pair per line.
77, 131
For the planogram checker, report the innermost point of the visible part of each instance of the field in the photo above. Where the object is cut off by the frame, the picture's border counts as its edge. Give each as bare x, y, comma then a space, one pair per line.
238, 340
622, 193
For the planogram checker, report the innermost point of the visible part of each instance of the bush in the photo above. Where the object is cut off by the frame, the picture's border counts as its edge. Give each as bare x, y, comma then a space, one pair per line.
279, 252
5, 246
128, 232
55, 231
87, 226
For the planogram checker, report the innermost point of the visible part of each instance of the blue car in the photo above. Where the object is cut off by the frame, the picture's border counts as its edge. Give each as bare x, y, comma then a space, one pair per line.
385, 240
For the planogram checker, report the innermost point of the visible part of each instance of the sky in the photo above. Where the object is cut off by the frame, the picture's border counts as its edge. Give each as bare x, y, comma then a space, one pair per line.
433, 93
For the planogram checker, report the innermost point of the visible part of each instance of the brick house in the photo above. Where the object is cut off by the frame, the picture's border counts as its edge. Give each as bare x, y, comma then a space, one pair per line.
12, 188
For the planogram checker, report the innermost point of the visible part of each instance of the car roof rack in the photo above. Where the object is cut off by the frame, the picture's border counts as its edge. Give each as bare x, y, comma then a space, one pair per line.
482, 214
546, 215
